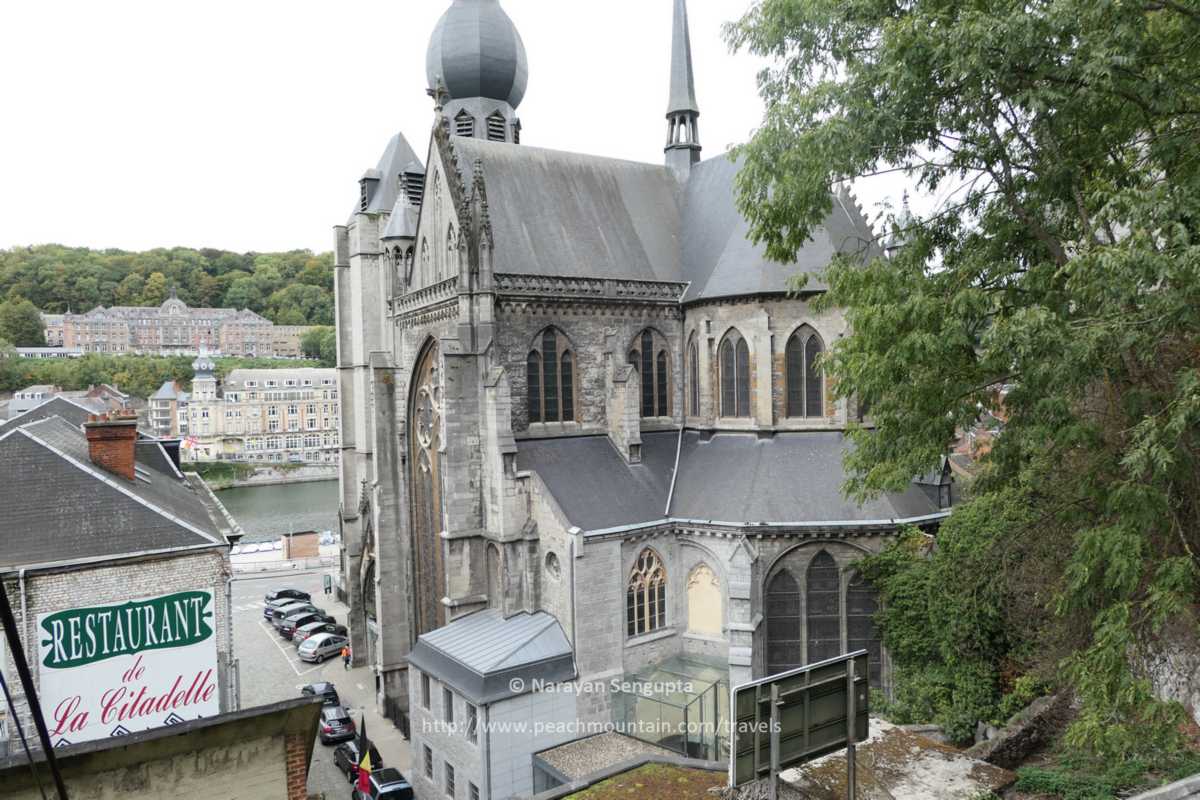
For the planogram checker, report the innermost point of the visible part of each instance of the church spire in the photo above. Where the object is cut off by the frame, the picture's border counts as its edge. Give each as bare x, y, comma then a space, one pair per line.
683, 131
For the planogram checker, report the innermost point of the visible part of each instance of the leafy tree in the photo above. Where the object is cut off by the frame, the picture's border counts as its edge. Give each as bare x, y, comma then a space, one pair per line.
56, 278
155, 291
21, 323
244, 293
1063, 263
129, 290
321, 344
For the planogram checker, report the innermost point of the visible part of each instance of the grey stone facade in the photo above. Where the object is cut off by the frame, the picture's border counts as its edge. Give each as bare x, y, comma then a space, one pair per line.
509, 243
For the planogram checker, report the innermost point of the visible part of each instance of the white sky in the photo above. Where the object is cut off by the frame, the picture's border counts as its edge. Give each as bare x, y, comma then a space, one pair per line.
246, 124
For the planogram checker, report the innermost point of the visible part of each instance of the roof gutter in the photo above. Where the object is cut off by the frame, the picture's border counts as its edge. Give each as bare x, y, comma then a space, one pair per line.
82, 563
848, 524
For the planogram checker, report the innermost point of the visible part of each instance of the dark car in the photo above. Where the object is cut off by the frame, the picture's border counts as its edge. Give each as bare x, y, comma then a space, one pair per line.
286, 594
288, 626
336, 725
326, 691
386, 784
346, 758
313, 628
276, 615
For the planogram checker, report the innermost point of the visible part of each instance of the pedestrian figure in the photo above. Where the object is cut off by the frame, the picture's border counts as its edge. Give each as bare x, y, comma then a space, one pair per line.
346, 657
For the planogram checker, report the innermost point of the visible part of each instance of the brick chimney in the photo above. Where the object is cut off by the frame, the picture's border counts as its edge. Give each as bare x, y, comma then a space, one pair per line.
112, 442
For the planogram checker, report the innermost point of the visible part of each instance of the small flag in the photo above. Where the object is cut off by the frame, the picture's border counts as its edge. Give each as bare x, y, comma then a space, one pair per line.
364, 758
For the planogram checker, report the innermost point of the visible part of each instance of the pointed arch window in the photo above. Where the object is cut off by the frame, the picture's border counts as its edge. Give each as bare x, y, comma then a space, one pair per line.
862, 602
805, 382
649, 355
824, 613
784, 642
693, 369
550, 378
734, 365
646, 595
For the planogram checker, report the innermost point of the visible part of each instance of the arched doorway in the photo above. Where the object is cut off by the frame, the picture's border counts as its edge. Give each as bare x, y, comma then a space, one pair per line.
424, 437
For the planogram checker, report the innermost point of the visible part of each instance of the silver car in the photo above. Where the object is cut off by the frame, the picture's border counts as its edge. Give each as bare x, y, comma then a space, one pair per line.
316, 649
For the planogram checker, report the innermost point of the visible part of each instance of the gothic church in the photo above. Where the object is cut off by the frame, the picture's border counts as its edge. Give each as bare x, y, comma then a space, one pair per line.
571, 384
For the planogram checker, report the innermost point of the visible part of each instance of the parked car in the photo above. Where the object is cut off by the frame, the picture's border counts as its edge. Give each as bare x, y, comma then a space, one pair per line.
386, 784
316, 649
313, 628
336, 725
325, 690
277, 614
288, 626
286, 594
346, 758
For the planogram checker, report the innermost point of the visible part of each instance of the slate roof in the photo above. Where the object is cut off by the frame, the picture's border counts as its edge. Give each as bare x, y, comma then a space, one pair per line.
574, 215
609, 492
481, 654
733, 478
396, 156
790, 477
75, 411
720, 260
60, 508
566, 214
167, 391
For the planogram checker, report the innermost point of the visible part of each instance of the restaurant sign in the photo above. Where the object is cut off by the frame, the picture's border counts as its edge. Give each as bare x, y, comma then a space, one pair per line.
117, 669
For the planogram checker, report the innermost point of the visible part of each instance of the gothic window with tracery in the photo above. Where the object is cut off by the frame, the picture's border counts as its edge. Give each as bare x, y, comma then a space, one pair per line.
649, 355
824, 608
805, 383
425, 422
550, 378
734, 365
646, 596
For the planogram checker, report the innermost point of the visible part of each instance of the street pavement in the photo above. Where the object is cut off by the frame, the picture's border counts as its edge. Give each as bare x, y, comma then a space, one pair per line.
270, 671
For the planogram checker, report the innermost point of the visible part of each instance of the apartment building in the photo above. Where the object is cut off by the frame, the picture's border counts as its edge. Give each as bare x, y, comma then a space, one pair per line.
174, 328
287, 416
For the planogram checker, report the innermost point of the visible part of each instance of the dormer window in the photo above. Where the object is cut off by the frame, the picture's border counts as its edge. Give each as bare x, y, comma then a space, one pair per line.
497, 128
464, 124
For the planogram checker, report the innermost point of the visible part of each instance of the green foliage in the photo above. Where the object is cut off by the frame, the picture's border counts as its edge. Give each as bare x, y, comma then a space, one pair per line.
141, 376
1025, 690
1074, 780
320, 344
1063, 264
21, 324
293, 288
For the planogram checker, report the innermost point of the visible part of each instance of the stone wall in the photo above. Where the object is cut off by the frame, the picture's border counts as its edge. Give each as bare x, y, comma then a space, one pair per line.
766, 324
1172, 664
594, 330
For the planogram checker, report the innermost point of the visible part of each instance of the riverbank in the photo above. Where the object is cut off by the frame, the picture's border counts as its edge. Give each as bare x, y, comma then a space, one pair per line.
224, 475
266, 512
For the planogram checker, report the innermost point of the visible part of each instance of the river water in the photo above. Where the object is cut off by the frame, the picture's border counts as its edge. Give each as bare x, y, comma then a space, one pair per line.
265, 512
